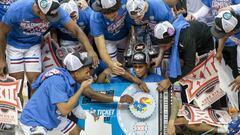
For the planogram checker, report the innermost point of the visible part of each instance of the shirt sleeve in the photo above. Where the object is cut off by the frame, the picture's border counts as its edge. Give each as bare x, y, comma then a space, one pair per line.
207, 3
87, 14
57, 89
236, 2
96, 27
64, 17
9, 18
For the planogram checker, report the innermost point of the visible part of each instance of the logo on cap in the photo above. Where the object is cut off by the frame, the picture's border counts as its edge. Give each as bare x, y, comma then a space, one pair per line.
227, 16
170, 31
43, 3
139, 56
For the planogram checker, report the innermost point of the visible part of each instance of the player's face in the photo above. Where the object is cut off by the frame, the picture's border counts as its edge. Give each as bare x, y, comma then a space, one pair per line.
141, 70
111, 16
137, 16
42, 16
82, 74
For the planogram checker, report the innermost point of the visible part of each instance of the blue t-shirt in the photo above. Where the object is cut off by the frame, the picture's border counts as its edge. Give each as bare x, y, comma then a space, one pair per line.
111, 30
26, 27
41, 109
152, 77
83, 22
4, 5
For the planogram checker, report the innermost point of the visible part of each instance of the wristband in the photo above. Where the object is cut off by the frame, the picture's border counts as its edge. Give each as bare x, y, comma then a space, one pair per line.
116, 99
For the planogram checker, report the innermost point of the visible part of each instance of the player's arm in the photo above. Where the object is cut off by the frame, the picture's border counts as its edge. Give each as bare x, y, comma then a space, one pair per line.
102, 49
105, 98
103, 76
173, 116
75, 30
142, 85
68, 106
4, 30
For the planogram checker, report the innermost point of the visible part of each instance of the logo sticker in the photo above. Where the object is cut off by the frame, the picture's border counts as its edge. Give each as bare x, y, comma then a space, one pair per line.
43, 3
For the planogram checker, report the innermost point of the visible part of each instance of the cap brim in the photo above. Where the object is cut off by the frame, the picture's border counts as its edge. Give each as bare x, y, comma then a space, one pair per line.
96, 7
216, 33
88, 62
139, 62
54, 18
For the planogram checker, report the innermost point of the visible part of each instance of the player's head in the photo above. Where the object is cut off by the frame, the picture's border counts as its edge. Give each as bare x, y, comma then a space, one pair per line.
140, 64
79, 65
48, 10
163, 35
225, 24
71, 8
109, 8
137, 9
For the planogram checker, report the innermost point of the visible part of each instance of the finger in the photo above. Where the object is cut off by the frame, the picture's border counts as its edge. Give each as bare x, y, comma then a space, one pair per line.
146, 89
237, 88
234, 86
95, 61
232, 83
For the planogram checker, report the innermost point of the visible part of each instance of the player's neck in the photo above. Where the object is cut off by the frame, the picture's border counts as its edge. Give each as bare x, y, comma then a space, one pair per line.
35, 10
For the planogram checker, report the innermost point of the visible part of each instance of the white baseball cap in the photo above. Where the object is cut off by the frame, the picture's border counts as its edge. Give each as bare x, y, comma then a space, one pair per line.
70, 7
75, 61
99, 5
50, 8
135, 7
163, 32
225, 22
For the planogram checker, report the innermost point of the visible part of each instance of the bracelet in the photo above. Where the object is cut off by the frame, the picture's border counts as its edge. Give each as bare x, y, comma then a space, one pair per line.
116, 99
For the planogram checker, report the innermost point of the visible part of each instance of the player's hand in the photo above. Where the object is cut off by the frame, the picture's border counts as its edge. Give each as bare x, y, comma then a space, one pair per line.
82, 4
163, 85
85, 84
142, 85
126, 99
116, 68
171, 128
3, 68
94, 57
235, 84
190, 17
156, 62
219, 56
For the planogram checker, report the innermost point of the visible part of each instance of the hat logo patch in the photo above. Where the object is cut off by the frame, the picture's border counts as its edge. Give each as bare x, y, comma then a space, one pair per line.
170, 31
43, 3
139, 57
227, 16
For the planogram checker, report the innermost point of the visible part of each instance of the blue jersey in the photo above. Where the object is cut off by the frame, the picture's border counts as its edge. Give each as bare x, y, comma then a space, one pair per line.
4, 5
151, 77
83, 22
54, 86
26, 27
111, 30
